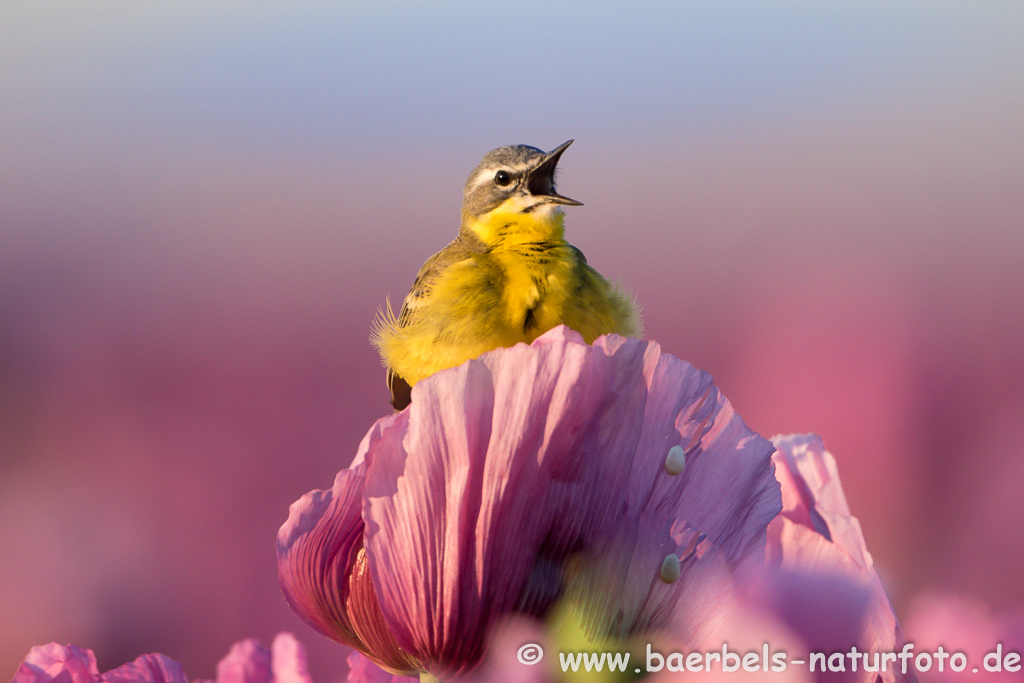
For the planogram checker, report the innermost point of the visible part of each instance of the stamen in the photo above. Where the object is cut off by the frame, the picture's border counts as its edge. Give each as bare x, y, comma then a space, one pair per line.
670, 568
676, 460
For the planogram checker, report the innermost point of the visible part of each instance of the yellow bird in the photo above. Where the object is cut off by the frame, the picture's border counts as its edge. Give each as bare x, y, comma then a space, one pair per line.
508, 277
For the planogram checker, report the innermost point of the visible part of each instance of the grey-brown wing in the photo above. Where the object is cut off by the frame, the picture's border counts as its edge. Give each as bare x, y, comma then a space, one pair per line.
461, 248
423, 285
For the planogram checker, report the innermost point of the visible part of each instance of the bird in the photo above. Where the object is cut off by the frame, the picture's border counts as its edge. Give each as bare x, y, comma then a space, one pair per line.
508, 277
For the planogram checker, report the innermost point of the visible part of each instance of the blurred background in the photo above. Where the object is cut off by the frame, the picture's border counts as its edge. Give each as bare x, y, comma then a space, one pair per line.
202, 206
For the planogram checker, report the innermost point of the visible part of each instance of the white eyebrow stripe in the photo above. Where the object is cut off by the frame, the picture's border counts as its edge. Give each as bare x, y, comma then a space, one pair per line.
482, 177
486, 175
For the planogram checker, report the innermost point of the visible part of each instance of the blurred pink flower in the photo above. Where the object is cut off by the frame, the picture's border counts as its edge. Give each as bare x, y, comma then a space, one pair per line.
72, 664
248, 662
362, 670
958, 623
613, 475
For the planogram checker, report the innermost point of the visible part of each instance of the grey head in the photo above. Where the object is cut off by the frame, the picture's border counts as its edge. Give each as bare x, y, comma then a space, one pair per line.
513, 171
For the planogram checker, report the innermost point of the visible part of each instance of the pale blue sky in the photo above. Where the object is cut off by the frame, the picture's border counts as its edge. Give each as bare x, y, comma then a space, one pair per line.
356, 75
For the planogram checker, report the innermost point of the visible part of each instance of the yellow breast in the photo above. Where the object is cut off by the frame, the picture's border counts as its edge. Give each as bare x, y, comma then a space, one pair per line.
527, 281
536, 264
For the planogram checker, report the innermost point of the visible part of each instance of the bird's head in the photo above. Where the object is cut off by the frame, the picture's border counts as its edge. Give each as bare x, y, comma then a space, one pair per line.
514, 179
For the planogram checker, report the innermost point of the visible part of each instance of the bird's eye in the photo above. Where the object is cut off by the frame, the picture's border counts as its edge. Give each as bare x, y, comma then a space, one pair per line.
502, 178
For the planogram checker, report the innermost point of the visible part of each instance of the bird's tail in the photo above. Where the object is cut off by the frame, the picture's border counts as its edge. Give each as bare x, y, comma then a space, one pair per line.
383, 326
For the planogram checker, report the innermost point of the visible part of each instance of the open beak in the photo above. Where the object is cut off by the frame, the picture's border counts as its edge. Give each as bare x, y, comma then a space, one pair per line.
541, 181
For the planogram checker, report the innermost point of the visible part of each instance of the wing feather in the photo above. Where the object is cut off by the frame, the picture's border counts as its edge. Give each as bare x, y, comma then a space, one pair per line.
416, 304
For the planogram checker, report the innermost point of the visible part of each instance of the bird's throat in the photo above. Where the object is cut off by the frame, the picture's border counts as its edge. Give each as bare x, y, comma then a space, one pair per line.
508, 225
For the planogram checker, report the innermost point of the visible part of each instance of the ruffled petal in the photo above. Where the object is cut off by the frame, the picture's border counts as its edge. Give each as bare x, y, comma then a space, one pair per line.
705, 512
55, 662
323, 568
246, 662
72, 664
727, 488
561, 446
488, 458
316, 551
155, 668
817, 534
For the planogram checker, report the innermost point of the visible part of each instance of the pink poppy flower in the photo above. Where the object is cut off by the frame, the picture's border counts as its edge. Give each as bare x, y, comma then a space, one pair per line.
248, 662
613, 475
56, 663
